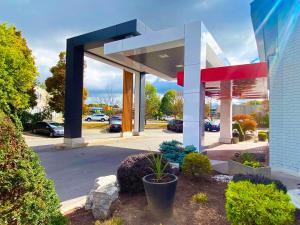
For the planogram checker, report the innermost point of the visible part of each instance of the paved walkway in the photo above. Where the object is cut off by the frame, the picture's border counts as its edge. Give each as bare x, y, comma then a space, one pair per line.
225, 152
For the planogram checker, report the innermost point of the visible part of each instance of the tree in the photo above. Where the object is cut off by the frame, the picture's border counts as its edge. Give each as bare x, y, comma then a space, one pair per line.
109, 97
32, 97
167, 102
85, 108
17, 70
55, 85
246, 121
152, 101
177, 108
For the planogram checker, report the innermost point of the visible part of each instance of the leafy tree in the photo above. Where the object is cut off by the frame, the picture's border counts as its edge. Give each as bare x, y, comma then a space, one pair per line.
32, 97
85, 108
254, 102
55, 85
152, 101
17, 70
177, 108
246, 121
167, 102
207, 110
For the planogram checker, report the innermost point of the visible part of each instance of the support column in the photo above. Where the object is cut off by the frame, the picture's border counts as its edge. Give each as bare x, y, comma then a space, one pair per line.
127, 103
194, 95
139, 103
73, 96
226, 112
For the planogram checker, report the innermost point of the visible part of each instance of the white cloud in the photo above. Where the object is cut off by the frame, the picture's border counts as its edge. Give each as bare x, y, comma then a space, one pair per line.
98, 77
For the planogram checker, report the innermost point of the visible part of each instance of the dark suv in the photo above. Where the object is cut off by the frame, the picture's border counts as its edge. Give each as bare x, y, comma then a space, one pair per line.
53, 129
175, 125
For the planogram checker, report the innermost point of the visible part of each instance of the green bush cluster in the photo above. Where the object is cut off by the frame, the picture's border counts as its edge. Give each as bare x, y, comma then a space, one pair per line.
28, 120
250, 204
248, 159
174, 151
27, 196
254, 164
262, 136
112, 221
200, 197
196, 165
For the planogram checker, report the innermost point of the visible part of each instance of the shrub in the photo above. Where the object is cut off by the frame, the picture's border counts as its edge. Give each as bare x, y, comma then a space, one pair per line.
259, 179
112, 221
133, 169
174, 151
27, 196
254, 164
249, 157
251, 204
262, 136
248, 125
200, 197
237, 126
241, 117
28, 120
246, 121
196, 165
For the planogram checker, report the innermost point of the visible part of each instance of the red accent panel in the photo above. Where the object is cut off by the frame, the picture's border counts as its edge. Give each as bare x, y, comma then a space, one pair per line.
246, 71
180, 78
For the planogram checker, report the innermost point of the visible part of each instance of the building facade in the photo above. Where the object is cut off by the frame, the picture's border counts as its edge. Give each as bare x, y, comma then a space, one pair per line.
277, 29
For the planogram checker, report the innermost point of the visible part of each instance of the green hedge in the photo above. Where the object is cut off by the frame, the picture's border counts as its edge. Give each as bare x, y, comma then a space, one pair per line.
250, 204
262, 136
196, 165
27, 196
28, 120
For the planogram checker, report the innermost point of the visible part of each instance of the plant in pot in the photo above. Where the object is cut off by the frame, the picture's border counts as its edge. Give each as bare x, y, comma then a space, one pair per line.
160, 188
235, 136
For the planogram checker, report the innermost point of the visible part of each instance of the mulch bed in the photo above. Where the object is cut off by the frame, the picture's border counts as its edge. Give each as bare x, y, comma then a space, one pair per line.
133, 208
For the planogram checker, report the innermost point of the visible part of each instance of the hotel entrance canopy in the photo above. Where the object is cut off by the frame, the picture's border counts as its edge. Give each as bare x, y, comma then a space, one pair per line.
161, 53
188, 52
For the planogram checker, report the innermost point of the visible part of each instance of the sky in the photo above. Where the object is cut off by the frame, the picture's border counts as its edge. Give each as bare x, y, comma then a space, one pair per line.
47, 24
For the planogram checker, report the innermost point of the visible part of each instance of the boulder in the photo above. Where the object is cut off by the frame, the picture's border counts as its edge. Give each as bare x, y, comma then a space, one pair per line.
102, 196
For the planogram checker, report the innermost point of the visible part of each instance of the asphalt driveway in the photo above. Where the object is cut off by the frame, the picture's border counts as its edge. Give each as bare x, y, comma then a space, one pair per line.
75, 170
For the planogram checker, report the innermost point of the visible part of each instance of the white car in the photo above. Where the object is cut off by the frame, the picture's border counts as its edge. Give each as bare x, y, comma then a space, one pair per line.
97, 117
168, 118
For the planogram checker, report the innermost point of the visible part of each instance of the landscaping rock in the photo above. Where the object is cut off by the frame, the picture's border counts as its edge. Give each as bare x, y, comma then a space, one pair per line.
101, 198
222, 178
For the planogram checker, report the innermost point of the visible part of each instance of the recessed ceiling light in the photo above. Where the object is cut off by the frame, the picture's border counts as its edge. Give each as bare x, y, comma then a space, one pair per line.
163, 56
179, 66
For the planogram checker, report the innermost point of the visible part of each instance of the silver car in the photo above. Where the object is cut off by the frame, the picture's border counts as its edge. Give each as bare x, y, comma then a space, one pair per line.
97, 117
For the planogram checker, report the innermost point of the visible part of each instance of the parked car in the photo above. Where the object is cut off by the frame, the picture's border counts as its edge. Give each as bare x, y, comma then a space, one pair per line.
97, 117
115, 117
168, 118
175, 125
115, 125
212, 125
51, 128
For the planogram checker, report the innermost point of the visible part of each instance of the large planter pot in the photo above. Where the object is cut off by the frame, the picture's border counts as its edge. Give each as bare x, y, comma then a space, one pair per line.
235, 140
236, 168
160, 196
